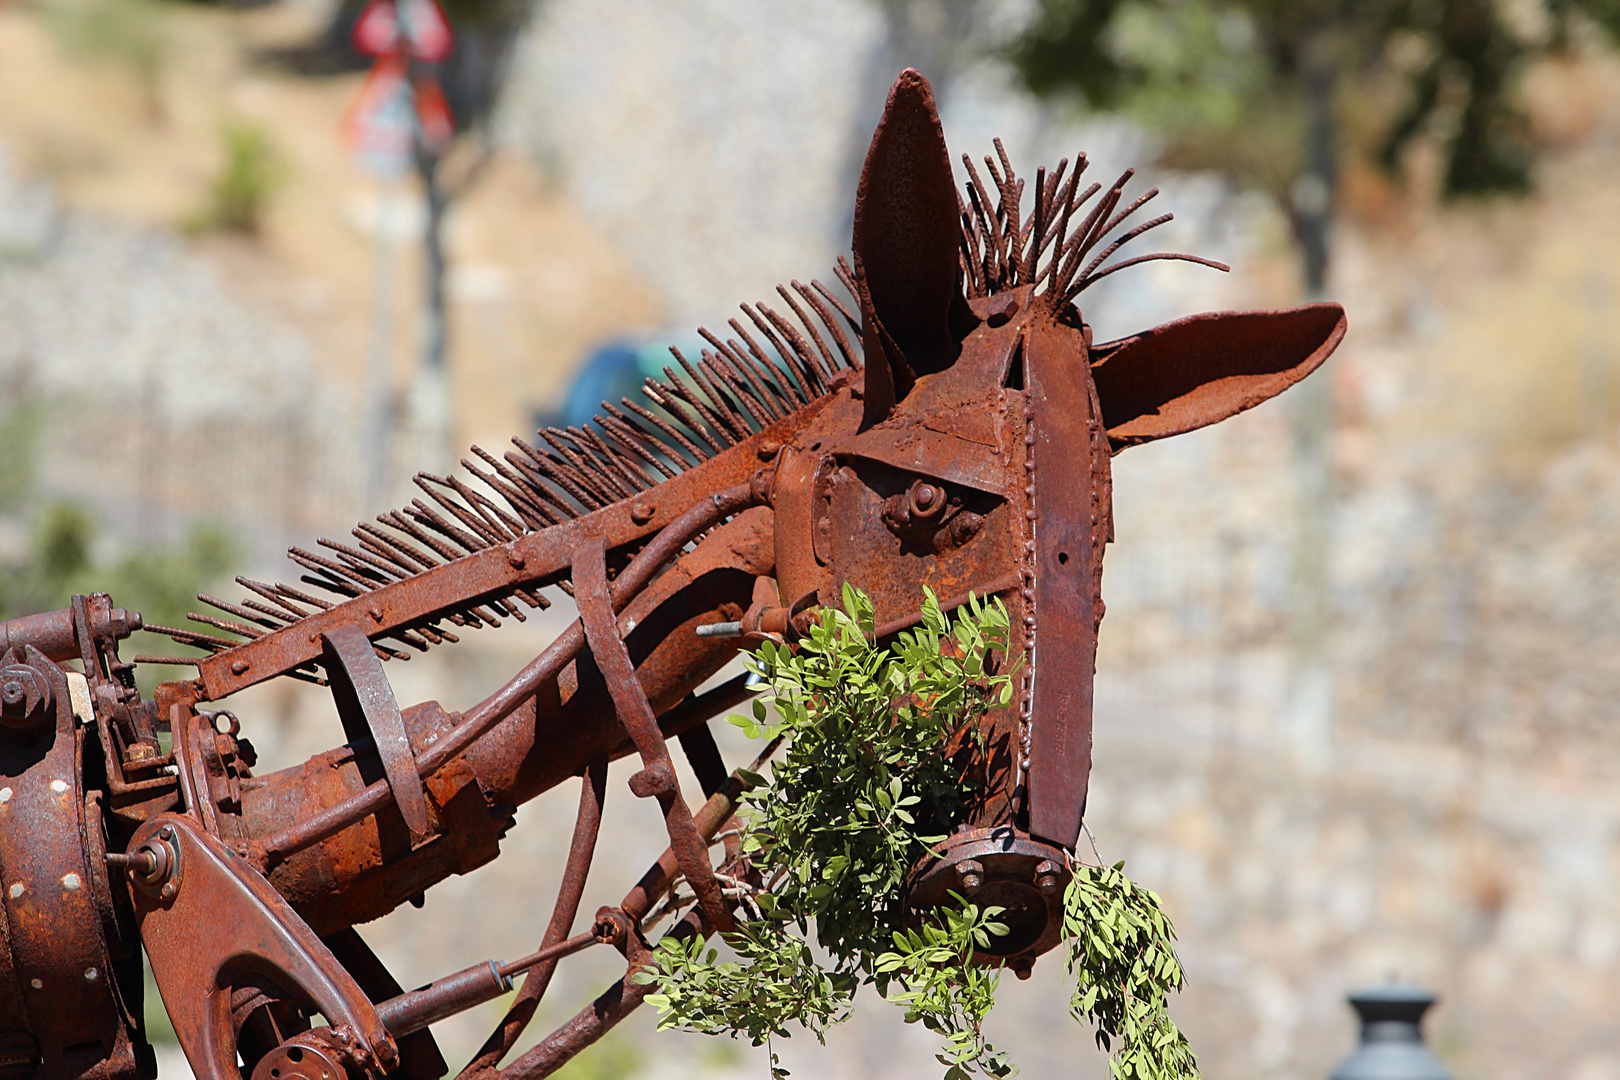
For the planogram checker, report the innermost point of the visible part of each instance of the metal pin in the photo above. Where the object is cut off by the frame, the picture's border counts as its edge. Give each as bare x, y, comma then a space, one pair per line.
720, 629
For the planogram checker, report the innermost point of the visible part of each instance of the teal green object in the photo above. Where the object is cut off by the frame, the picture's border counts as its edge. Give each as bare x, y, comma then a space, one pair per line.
1392, 1046
613, 371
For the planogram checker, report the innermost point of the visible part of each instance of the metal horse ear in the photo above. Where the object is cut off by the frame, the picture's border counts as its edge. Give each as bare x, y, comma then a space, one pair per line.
907, 234
1197, 371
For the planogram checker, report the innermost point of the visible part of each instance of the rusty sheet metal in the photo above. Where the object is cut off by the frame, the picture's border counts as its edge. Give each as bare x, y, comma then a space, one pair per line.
365, 702
1199, 370
1068, 469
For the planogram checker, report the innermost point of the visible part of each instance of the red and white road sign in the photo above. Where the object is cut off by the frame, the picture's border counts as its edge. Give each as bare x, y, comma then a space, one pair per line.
416, 28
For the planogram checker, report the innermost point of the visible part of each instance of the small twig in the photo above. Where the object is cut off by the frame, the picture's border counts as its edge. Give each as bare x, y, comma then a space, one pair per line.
1087, 830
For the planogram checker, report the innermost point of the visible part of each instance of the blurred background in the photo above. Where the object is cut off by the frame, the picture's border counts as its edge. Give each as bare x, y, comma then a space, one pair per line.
1357, 685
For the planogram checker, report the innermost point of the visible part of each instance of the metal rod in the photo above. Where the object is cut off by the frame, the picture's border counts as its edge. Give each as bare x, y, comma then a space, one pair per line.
566, 947
492, 710
417, 1009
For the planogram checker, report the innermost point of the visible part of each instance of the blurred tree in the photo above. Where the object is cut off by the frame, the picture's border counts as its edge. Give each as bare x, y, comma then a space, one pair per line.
54, 553
1271, 91
159, 581
249, 175
1278, 94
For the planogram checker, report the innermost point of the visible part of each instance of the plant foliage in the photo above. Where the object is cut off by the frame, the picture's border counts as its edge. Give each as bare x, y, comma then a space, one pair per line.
1120, 952
1228, 82
252, 171
879, 764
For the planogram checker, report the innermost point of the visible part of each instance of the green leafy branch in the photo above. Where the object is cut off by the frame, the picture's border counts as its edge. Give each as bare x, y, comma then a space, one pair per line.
1121, 952
945, 990
882, 760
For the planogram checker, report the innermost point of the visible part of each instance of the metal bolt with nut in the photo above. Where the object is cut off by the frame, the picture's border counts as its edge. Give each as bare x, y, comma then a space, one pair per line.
154, 866
25, 696
970, 874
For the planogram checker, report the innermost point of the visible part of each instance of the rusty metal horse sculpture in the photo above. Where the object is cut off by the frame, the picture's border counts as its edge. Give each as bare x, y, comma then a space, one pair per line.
952, 431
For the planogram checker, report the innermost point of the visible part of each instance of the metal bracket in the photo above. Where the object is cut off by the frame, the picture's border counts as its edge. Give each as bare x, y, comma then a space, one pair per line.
657, 776
366, 702
225, 922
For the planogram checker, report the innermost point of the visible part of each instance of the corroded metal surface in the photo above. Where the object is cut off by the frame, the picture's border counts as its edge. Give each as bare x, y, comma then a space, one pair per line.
940, 420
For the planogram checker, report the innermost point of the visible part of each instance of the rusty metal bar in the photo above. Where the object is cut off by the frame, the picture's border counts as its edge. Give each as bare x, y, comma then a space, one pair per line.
479, 576
359, 685
622, 998
704, 514
587, 824
657, 777
591, 1022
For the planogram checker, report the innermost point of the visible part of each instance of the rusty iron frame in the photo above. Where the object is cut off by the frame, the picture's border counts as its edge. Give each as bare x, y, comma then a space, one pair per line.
946, 423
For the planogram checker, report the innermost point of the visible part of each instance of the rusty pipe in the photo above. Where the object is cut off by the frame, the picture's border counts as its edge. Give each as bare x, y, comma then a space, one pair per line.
366, 869
411, 1012
52, 633
522, 687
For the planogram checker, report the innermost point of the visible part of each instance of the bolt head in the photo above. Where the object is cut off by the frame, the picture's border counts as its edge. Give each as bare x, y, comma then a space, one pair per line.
970, 875
25, 696
927, 500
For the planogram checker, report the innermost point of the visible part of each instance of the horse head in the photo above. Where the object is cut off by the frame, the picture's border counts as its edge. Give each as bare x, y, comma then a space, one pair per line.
978, 458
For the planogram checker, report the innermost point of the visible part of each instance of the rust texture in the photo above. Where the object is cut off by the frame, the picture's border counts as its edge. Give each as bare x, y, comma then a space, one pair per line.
940, 418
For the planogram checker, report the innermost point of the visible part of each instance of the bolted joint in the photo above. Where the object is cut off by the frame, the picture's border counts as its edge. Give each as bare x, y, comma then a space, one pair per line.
925, 501
154, 866
25, 697
970, 875
1046, 876
762, 487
